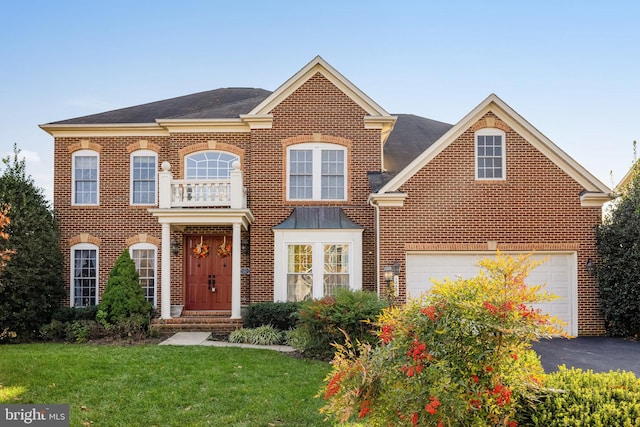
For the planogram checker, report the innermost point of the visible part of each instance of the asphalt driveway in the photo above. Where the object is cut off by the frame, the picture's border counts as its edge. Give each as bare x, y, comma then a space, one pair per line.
600, 354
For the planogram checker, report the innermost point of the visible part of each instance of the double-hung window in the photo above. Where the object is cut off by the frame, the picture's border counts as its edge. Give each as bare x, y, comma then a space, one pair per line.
85, 177
144, 167
84, 275
144, 257
490, 154
316, 172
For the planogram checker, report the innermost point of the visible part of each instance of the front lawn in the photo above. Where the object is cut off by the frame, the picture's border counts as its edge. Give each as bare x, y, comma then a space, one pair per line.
154, 385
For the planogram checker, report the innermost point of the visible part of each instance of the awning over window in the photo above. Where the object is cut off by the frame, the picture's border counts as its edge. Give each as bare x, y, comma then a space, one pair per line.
325, 218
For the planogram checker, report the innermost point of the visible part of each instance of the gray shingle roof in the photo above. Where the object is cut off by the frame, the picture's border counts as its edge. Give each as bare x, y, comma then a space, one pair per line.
213, 104
410, 136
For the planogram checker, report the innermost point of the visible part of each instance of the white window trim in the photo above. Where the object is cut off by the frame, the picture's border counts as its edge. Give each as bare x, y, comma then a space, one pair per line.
316, 238
316, 149
72, 290
143, 153
155, 270
491, 132
73, 176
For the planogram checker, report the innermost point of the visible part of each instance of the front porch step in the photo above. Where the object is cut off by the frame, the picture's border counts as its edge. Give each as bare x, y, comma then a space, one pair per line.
218, 323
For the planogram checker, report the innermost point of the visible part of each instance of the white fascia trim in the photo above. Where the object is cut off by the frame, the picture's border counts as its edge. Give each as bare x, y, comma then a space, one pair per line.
177, 216
262, 121
318, 64
386, 200
517, 123
595, 199
96, 130
204, 125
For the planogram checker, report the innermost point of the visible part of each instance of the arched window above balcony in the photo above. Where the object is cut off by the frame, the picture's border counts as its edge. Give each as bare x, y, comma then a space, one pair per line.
209, 165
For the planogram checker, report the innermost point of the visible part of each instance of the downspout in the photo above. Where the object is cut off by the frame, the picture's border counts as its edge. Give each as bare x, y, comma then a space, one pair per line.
377, 219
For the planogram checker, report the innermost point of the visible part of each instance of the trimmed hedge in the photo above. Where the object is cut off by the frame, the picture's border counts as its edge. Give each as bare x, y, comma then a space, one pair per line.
584, 398
281, 315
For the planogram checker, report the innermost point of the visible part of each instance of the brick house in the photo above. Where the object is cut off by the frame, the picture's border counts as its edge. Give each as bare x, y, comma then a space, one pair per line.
242, 195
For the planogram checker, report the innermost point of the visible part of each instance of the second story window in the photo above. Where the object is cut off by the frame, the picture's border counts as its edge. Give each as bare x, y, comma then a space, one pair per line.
316, 172
144, 166
490, 154
85, 177
209, 165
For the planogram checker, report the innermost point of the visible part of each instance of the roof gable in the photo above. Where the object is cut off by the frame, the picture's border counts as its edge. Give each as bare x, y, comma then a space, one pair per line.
494, 104
318, 65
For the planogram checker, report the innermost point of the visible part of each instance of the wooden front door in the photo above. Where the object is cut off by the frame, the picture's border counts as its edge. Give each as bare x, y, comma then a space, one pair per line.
207, 279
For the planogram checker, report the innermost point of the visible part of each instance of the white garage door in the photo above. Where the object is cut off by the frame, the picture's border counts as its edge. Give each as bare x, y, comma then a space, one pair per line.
558, 273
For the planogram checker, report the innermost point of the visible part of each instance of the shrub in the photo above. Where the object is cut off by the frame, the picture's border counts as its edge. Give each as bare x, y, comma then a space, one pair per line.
458, 356
326, 321
123, 295
280, 315
618, 272
262, 335
69, 314
577, 398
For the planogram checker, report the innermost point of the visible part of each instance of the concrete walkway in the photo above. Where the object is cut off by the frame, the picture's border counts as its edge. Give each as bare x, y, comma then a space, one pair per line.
202, 338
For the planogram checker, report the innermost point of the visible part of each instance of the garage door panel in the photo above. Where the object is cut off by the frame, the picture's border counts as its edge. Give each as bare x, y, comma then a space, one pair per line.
557, 272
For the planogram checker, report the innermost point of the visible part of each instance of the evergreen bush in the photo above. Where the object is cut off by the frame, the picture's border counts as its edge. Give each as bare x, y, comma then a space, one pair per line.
123, 295
619, 266
281, 315
331, 319
31, 285
573, 397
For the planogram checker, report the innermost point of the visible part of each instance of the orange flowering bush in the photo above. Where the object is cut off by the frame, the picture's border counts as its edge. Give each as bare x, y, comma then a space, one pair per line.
459, 356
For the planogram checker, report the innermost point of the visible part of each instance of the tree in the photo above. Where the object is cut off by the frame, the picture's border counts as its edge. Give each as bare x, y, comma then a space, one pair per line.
123, 295
619, 269
31, 286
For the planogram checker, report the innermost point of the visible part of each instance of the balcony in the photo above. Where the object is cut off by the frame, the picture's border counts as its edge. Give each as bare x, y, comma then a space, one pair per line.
199, 193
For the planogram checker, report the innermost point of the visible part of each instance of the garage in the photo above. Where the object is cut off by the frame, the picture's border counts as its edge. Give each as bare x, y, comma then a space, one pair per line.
558, 272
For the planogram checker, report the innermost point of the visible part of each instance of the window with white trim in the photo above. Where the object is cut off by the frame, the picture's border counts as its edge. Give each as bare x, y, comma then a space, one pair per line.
311, 265
490, 154
144, 257
85, 177
144, 172
316, 172
209, 165
84, 275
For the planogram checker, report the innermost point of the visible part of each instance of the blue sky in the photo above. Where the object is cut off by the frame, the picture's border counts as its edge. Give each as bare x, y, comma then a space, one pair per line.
571, 68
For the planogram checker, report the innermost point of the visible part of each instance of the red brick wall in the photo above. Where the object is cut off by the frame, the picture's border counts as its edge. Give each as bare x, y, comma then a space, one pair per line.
316, 107
536, 207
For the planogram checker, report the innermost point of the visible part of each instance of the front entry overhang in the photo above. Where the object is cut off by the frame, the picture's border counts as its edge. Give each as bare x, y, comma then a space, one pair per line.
195, 216
179, 217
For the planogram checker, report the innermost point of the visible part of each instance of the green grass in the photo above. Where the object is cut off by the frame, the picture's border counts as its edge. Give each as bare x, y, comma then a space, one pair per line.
154, 385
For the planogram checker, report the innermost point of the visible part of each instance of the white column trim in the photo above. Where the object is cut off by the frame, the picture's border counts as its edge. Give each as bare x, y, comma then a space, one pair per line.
235, 274
165, 296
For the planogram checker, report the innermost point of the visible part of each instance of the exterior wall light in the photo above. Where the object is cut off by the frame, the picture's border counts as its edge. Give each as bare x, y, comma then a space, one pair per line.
390, 274
175, 246
591, 267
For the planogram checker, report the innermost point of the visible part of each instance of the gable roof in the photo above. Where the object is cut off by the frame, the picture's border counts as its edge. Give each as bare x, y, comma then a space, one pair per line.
318, 65
593, 187
212, 104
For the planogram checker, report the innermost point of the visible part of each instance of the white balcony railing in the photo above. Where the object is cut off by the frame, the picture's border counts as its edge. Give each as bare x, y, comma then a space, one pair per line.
182, 193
